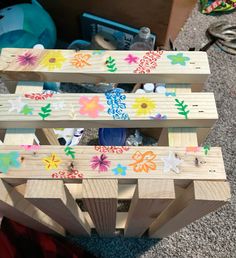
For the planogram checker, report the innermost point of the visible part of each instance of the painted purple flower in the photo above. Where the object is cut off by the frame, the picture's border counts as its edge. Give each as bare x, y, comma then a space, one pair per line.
27, 59
100, 162
159, 117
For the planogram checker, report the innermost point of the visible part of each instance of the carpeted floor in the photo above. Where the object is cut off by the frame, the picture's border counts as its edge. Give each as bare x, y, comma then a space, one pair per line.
215, 234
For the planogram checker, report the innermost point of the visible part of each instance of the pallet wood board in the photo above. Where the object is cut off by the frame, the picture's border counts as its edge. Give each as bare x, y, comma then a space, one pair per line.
112, 109
104, 66
85, 162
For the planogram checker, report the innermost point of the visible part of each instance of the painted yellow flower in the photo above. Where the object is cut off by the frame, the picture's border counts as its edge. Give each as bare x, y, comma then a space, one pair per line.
53, 60
52, 161
143, 106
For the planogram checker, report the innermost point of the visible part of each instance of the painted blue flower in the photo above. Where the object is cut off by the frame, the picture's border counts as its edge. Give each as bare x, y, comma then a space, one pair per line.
172, 94
178, 59
120, 170
8, 160
98, 52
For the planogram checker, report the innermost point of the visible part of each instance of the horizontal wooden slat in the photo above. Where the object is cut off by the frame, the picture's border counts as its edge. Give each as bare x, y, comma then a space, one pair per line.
104, 66
93, 110
125, 191
195, 165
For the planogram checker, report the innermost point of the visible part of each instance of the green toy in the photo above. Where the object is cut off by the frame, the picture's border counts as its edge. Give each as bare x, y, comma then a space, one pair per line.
211, 7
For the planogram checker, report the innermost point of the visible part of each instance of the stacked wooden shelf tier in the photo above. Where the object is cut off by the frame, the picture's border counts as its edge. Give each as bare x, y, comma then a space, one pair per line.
168, 186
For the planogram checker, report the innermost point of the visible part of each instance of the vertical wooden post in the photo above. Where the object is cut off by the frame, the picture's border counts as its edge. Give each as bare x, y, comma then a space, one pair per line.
150, 198
100, 197
200, 198
14, 206
52, 197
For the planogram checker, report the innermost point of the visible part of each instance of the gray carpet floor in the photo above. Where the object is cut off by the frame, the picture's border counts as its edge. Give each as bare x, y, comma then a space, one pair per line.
215, 234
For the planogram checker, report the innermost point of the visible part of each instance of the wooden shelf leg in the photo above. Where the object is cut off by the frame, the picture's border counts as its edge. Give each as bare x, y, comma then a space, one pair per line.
100, 198
199, 199
53, 198
14, 206
150, 198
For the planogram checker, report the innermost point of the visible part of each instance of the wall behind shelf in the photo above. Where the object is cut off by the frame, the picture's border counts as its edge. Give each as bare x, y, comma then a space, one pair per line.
162, 17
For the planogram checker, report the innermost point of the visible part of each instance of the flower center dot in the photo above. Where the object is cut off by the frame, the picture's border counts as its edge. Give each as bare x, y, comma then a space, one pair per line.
52, 60
144, 105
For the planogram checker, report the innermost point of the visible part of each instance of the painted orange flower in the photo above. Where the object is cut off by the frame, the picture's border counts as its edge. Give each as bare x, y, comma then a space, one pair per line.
90, 106
80, 60
143, 162
52, 161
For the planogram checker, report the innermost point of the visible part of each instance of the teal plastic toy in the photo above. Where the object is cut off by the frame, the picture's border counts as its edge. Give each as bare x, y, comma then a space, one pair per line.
25, 25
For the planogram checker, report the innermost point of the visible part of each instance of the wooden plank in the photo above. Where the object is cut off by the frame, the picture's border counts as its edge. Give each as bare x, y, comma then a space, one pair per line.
87, 158
26, 136
201, 107
163, 139
187, 207
151, 197
182, 137
199, 199
121, 218
23, 135
125, 191
47, 136
104, 66
17, 135
14, 206
53, 198
100, 198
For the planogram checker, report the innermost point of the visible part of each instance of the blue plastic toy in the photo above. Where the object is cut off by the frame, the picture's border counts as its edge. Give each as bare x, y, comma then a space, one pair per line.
25, 25
112, 136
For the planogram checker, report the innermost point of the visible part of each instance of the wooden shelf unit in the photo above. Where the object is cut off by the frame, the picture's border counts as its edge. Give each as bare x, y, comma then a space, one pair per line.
168, 186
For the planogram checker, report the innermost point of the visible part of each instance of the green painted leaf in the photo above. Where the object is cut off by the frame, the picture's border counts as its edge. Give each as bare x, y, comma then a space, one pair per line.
182, 107
70, 152
182, 113
206, 149
111, 64
46, 111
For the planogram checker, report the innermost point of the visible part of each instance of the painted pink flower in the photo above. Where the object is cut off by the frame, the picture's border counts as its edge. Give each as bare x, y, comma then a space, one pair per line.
192, 149
100, 162
90, 106
27, 59
31, 147
131, 59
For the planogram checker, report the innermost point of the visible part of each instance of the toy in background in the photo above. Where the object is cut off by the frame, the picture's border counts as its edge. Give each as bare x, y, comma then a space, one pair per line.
123, 35
100, 41
213, 7
25, 25
69, 136
143, 40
